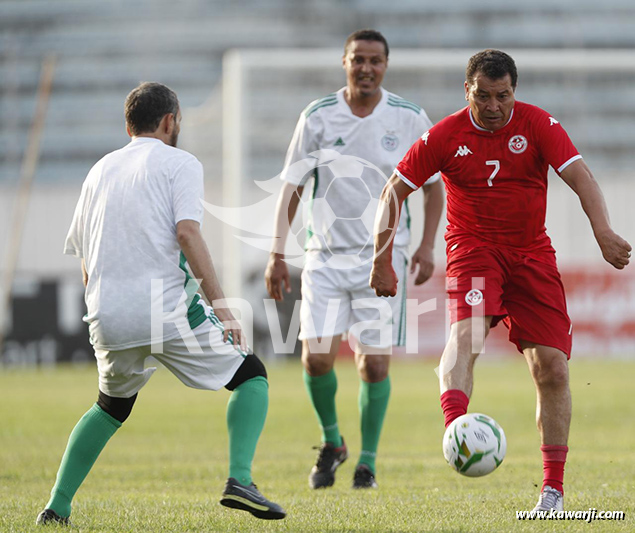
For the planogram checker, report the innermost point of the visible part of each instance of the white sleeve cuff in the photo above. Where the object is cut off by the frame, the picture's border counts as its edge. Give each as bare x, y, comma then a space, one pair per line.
567, 163
406, 180
68, 250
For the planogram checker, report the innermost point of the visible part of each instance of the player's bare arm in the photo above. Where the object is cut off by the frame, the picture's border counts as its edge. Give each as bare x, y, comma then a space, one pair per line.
188, 234
277, 273
382, 276
432, 209
615, 250
84, 273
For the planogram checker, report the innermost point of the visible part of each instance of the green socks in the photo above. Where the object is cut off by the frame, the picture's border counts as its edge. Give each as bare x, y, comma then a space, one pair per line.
85, 443
322, 391
373, 402
246, 414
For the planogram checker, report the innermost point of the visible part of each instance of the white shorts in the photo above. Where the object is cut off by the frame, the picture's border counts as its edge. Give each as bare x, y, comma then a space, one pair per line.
336, 301
209, 363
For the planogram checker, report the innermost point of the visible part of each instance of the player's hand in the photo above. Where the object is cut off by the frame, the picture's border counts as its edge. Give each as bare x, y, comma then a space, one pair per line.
277, 274
231, 325
383, 279
424, 257
615, 250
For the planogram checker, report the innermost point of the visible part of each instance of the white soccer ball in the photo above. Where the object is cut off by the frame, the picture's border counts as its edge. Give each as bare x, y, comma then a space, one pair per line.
474, 445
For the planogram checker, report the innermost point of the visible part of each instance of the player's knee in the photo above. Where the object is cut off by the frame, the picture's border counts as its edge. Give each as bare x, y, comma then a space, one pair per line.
551, 371
373, 368
252, 367
315, 365
118, 408
558, 373
314, 361
374, 374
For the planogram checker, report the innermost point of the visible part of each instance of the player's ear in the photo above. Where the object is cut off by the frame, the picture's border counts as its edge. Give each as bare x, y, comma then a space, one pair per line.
467, 90
128, 130
167, 123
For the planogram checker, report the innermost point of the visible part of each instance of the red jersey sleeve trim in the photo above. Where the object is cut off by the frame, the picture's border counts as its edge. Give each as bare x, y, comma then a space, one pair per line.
567, 163
406, 180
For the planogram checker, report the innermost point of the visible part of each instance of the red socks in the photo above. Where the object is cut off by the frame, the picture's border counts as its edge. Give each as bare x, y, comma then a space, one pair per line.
454, 404
553, 459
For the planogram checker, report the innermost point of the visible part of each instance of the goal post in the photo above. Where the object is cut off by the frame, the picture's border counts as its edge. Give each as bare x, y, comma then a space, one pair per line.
263, 93
265, 90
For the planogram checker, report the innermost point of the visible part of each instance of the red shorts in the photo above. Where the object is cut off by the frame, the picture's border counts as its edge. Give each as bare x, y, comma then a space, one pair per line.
523, 290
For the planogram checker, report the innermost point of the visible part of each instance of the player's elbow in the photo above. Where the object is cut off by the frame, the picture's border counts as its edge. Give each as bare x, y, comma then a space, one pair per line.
389, 193
187, 231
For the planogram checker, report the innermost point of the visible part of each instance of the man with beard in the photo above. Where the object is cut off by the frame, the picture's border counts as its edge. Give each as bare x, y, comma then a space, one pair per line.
137, 229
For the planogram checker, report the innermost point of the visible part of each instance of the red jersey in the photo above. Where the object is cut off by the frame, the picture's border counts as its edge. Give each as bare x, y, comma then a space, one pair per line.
496, 182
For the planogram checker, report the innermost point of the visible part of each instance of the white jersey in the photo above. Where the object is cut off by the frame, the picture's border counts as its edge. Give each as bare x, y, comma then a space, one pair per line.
124, 227
381, 139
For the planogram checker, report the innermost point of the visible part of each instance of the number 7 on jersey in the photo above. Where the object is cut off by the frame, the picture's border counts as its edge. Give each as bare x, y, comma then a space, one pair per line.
497, 166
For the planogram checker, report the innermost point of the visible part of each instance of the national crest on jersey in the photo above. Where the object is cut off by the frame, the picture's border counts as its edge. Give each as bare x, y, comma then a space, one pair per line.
390, 141
496, 182
380, 138
518, 144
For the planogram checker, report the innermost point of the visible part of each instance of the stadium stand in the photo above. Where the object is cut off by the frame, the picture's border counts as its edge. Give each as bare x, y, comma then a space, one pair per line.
105, 49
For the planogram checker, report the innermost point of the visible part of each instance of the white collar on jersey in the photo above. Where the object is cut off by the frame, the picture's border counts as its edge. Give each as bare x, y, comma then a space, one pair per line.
144, 140
483, 129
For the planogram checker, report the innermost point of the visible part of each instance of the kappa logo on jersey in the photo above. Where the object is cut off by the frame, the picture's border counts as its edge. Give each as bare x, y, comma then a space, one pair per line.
553, 121
518, 144
463, 150
474, 297
339, 142
425, 136
390, 141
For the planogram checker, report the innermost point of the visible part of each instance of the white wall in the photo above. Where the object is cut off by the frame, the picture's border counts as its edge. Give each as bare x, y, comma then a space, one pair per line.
51, 209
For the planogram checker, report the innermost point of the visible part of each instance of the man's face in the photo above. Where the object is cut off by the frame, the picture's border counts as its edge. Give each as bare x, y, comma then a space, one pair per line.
365, 63
491, 101
174, 136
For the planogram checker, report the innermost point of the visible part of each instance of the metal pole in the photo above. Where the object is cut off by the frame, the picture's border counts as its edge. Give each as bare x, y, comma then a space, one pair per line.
23, 194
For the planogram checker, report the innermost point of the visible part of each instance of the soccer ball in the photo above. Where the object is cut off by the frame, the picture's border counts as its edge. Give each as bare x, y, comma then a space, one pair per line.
474, 445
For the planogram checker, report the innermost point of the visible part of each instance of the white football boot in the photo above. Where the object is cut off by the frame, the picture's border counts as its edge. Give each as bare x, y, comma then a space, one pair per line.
550, 498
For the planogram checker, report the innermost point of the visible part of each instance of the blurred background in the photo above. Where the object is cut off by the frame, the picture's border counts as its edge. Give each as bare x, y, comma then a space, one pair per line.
244, 71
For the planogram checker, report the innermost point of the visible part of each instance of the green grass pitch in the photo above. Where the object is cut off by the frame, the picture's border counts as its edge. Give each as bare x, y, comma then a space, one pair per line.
165, 469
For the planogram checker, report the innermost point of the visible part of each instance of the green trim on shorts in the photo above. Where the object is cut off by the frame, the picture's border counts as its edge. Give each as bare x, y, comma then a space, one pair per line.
218, 324
401, 335
195, 312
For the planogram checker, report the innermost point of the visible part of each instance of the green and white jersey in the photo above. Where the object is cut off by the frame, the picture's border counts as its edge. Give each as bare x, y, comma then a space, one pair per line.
381, 139
124, 227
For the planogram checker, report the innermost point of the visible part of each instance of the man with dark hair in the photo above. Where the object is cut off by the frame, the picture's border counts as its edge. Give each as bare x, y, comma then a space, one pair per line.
366, 35
146, 106
494, 64
361, 125
137, 229
494, 156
